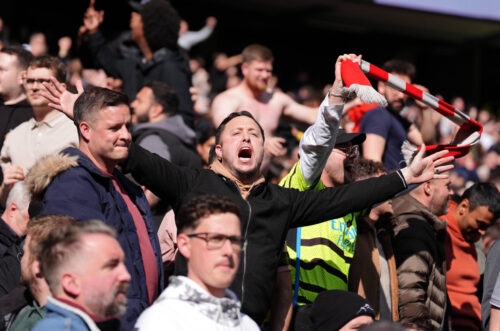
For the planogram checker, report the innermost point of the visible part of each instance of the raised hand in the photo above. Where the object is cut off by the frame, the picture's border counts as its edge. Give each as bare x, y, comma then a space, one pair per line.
12, 174
274, 146
431, 167
335, 96
92, 19
60, 98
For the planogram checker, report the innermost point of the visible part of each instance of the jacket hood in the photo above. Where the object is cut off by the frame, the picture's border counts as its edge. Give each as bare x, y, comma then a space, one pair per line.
406, 204
44, 171
225, 311
175, 125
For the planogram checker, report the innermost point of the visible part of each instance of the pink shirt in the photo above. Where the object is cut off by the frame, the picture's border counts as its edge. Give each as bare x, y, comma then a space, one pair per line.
147, 252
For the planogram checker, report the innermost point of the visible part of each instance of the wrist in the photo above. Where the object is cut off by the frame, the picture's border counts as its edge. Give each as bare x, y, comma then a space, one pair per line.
407, 177
335, 97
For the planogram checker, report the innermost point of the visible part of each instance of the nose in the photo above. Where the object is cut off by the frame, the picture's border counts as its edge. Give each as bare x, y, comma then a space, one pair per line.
227, 248
133, 104
125, 133
400, 95
246, 136
124, 274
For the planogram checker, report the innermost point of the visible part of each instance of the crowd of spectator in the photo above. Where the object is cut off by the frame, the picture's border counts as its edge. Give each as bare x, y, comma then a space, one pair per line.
144, 187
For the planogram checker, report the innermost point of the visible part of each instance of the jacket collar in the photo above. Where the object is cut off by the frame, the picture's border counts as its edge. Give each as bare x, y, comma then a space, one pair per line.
245, 189
85, 162
406, 204
70, 311
7, 235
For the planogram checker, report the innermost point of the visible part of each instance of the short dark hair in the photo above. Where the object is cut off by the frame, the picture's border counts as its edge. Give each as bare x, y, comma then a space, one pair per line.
400, 67
257, 52
201, 206
63, 245
52, 63
161, 24
165, 96
235, 114
483, 194
23, 56
94, 99
363, 168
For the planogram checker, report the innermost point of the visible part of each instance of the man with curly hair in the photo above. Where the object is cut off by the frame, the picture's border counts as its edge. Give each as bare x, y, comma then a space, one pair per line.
155, 29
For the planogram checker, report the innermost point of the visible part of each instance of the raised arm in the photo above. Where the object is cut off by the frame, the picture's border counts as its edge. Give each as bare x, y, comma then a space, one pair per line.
319, 139
298, 112
310, 207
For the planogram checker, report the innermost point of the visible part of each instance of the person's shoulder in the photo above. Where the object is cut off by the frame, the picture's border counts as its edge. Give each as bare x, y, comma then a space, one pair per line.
163, 312
234, 93
378, 113
56, 322
295, 180
248, 324
19, 131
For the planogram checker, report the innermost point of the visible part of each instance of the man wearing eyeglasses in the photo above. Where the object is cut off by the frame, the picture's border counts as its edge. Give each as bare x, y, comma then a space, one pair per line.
47, 133
210, 240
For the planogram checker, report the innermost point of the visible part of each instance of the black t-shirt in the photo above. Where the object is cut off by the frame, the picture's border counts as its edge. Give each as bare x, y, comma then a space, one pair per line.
13, 115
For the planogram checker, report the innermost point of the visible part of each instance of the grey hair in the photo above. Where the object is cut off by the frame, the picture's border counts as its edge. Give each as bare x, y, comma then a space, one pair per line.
20, 195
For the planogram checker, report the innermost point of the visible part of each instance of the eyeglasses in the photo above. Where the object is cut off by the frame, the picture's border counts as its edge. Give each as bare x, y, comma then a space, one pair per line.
217, 240
350, 150
32, 81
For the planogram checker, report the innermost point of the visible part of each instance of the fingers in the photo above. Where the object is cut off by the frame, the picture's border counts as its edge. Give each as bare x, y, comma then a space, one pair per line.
280, 140
13, 174
443, 160
79, 86
437, 155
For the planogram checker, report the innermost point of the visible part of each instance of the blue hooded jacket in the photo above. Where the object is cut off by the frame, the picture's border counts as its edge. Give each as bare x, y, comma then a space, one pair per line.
85, 193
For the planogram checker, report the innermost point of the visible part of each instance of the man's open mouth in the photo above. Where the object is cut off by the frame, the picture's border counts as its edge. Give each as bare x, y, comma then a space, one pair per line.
245, 153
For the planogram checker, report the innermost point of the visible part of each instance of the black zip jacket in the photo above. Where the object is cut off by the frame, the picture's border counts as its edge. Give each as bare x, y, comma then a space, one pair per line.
266, 215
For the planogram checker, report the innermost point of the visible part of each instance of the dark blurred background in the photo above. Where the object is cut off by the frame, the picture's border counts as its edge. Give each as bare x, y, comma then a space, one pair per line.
454, 54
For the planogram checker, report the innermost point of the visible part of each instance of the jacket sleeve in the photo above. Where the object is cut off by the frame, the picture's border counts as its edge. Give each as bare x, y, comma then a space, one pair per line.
318, 141
312, 207
73, 193
414, 260
166, 180
103, 54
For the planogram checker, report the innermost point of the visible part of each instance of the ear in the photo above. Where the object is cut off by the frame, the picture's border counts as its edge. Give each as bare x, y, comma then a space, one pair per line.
11, 212
184, 245
198, 148
427, 188
381, 88
35, 269
244, 68
22, 77
64, 85
70, 284
85, 130
218, 152
463, 207
156, 110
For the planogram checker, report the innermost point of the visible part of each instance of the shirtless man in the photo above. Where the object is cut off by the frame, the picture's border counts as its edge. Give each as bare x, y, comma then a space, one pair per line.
253, 95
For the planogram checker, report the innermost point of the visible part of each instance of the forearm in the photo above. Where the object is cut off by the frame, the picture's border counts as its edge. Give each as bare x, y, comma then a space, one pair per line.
160, 176
312, 207
495, 319
191, 38
102, 53
318, 141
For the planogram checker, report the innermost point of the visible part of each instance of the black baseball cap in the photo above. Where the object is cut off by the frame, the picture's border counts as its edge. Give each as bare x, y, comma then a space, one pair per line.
344, 137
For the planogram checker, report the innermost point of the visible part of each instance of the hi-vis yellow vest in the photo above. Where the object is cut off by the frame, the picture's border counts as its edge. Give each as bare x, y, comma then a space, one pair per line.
320, 254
